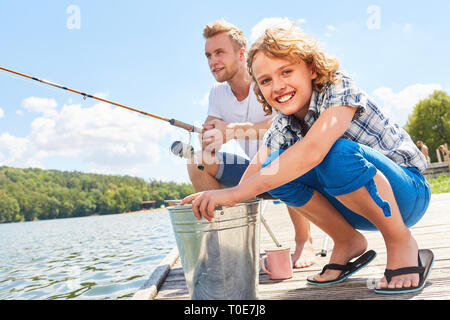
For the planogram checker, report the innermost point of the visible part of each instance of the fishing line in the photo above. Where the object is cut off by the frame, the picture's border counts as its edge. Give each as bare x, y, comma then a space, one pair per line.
173, 122
178, 148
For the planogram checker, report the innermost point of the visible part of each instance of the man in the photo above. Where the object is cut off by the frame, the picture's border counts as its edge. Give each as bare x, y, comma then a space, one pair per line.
445, 153
424, 149
235, 113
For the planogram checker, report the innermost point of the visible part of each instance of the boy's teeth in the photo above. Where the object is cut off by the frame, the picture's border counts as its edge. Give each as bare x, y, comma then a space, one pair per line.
285, 98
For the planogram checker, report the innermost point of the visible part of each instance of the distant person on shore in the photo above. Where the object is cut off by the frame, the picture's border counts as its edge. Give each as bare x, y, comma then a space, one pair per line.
445, 154
235, 113
424, 149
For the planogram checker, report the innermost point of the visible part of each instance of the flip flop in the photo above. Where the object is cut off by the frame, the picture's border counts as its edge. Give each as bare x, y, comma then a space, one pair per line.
347, 269
425, 263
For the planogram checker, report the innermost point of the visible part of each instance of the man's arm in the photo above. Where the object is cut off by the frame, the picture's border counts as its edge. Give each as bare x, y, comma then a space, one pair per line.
249, 130
220, 132
425, 151
239, 130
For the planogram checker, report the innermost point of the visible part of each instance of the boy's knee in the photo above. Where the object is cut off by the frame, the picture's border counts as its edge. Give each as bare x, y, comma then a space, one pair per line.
345, 168
293, 193
344, 155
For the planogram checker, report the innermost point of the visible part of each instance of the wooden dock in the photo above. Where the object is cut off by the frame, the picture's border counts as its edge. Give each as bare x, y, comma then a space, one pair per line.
433, 232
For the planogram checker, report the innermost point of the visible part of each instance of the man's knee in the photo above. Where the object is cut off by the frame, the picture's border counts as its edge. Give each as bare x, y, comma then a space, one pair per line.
203, 163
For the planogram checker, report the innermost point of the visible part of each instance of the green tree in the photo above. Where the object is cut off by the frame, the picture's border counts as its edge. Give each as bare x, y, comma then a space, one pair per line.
36, 194
9, 210
430, 122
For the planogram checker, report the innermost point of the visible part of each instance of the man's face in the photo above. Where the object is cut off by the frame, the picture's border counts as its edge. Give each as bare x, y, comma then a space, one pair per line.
223, 59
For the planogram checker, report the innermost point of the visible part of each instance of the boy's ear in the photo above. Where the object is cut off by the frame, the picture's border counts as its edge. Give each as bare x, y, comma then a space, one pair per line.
314, 74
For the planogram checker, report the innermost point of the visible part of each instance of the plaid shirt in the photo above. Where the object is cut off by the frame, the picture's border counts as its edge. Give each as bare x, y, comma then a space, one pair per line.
369, 127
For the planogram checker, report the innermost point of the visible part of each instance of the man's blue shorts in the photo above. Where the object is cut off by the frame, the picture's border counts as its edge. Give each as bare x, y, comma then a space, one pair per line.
348, 167
231, 169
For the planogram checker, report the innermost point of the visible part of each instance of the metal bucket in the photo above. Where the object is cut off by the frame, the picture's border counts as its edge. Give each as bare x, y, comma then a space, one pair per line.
220, 258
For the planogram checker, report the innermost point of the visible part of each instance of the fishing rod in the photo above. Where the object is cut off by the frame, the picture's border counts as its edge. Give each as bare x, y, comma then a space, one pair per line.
173, 122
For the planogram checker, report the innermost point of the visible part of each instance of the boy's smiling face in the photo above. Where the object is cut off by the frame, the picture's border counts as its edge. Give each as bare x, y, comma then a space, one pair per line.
285, 85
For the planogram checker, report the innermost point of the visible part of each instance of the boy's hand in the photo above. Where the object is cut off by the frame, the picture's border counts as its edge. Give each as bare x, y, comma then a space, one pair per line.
204, 203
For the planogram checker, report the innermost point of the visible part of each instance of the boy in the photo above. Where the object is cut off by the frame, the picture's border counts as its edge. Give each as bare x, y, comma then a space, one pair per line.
337, 158
235, 113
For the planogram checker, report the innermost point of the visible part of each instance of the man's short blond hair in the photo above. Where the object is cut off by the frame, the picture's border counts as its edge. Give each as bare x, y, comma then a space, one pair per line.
237, 36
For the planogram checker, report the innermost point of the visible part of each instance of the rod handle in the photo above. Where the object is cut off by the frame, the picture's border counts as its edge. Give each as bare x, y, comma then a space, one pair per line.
185, 126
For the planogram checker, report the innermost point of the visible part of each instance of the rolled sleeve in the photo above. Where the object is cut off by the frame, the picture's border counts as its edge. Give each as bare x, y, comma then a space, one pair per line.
344, 93
273, 138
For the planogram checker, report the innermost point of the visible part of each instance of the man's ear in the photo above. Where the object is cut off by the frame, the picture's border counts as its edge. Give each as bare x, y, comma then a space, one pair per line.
243, 54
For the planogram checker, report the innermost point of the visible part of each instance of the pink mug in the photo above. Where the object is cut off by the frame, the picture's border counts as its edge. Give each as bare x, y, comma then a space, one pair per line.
279, 263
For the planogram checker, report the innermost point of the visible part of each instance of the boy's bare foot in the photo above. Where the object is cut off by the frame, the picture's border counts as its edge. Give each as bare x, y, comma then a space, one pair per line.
400, 255
342, 253
303, 255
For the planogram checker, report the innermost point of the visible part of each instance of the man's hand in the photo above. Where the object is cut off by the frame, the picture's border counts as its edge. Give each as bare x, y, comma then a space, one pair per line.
216, 133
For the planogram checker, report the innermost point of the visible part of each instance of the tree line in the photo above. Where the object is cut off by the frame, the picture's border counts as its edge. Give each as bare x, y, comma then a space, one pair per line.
36, 194
430, 121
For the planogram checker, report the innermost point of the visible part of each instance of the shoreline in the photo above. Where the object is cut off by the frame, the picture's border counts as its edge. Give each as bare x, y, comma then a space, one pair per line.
90, 215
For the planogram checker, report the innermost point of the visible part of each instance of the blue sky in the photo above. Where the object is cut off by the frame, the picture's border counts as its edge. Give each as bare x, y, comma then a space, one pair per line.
150, 55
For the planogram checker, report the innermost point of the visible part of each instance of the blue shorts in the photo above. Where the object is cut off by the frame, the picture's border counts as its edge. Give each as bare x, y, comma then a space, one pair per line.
349, 166
231, 169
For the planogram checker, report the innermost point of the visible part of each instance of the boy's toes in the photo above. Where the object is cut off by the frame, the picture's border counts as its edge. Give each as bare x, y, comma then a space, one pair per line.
382, 284
407, 283
400, 283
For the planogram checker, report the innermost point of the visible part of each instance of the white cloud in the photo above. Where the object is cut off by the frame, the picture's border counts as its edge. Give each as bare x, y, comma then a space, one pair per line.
107, 139
40, 105
407, 27
401, 104
266, 23
16, 148
205, 100
330, 31
403, 27
2, 113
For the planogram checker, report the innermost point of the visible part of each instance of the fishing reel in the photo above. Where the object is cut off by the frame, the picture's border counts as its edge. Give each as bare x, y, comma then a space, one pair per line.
184, 150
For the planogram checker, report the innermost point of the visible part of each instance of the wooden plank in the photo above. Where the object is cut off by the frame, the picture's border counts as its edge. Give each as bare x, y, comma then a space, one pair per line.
433, 232
150, 288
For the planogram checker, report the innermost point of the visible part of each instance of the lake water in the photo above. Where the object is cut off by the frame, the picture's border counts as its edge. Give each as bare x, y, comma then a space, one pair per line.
97, 257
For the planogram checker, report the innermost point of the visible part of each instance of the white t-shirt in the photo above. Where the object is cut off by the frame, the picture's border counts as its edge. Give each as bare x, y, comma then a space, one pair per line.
224, 105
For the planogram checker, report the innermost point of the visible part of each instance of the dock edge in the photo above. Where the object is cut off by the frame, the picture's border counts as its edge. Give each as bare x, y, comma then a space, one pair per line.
149, 289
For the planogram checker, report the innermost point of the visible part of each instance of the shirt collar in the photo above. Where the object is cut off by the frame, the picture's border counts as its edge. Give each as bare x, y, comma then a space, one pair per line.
290, 122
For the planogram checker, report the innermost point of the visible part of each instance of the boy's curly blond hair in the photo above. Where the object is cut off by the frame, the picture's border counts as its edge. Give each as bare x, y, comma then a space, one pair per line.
237, 36
293, 45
